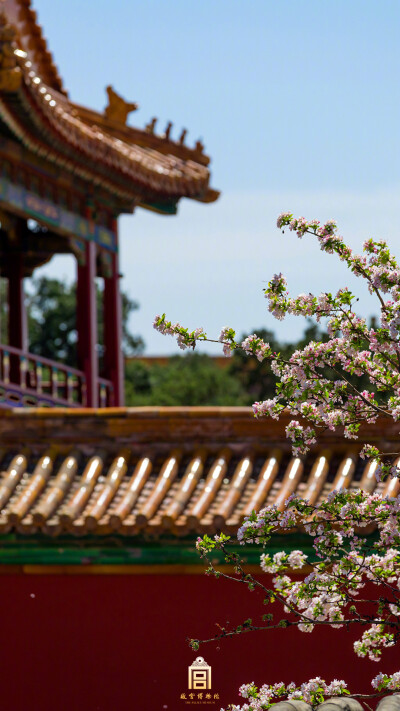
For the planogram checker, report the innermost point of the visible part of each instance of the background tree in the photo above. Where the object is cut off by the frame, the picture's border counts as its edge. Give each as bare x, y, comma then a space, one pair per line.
192, 379
52, 330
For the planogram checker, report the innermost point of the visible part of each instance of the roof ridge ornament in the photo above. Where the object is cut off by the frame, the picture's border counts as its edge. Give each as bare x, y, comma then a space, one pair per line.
168, 129
199, 147
117, 108
10, 73
151, 126
182, 137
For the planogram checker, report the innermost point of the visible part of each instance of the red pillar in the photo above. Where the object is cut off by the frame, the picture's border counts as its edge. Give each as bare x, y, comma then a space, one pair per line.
113, 356
17, 322
87, 324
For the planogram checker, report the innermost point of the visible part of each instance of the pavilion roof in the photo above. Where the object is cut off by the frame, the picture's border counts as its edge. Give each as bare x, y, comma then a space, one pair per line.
136, 165
32, 40
154, 471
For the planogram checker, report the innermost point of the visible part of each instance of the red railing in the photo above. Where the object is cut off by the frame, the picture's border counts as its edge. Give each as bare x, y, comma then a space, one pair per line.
28, 380
106, 393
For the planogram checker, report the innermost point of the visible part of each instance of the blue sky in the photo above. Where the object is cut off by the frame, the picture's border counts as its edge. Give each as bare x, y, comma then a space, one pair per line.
297, 103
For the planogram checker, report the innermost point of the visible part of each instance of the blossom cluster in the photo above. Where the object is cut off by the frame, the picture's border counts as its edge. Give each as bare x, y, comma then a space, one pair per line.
185, 338
344, 563
280, 561
352, 350
313, 692
391, 682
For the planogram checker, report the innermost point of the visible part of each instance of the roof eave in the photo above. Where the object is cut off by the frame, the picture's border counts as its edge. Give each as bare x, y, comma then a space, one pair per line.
209, 196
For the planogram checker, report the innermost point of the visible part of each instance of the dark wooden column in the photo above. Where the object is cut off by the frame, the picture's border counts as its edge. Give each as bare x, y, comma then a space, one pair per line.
113, 357
86, 321
17, 321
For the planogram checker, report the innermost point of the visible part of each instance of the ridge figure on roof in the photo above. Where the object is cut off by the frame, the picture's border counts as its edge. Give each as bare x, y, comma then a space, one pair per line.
167, 134
199, 147
150, 127
118, 109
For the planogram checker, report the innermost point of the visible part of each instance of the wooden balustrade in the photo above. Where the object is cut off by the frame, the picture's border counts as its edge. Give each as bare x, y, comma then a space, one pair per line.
106, 393
36, 381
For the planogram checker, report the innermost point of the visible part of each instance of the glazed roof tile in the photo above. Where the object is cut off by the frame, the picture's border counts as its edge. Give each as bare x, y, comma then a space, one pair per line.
31, 39
162, 470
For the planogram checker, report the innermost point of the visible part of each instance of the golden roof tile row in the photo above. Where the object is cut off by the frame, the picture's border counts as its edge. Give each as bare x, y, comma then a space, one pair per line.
153, 471
155, 494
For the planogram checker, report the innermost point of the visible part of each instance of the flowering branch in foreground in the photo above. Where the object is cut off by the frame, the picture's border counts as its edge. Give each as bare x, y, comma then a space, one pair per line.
352, 351
331, 594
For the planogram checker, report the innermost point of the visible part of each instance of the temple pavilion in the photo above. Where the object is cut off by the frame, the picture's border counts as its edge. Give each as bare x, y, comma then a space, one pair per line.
66, 174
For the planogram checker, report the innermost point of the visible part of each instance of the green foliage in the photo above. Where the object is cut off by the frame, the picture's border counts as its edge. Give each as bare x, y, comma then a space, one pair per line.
197, 379
257, 379
52, 321
192, 379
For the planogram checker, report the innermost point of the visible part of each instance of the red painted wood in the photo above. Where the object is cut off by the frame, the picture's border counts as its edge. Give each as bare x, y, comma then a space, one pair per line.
87, 323
63, 386
17, 320
113, 357
118, 642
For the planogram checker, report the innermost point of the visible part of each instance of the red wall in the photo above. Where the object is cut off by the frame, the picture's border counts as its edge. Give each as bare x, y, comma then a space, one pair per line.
107, 643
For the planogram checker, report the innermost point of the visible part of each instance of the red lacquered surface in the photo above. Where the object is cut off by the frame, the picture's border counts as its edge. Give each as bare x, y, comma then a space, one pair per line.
105, 642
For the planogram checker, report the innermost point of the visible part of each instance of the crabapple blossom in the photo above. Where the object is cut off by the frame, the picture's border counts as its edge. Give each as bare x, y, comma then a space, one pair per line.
312, 692
350, 379
332, 593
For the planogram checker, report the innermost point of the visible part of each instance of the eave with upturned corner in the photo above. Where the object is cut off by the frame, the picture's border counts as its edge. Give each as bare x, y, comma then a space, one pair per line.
133, 164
